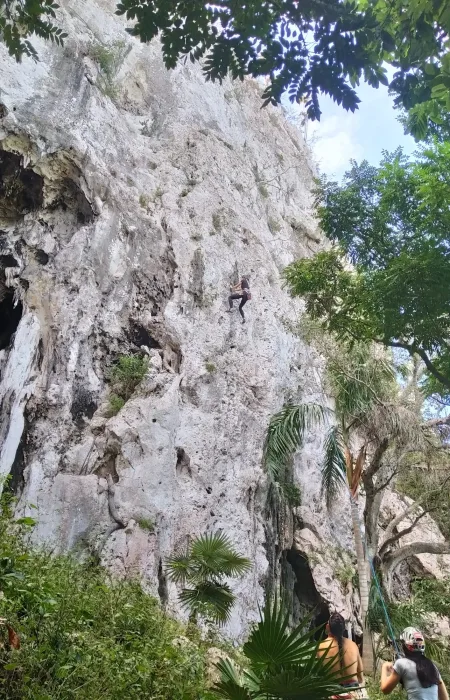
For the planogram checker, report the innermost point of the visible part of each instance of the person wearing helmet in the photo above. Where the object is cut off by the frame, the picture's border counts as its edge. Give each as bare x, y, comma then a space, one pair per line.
418, 674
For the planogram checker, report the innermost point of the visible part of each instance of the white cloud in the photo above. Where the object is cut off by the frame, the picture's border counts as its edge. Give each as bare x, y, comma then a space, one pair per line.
334, 142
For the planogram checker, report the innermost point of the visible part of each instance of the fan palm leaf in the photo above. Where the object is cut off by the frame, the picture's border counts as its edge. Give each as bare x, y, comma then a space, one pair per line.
286, 432
210, 599
334, 465
179, 568
213, 555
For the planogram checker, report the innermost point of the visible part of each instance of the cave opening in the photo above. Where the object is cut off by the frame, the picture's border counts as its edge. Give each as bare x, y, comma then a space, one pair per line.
21, 189
301, 595
10, 315
140, 336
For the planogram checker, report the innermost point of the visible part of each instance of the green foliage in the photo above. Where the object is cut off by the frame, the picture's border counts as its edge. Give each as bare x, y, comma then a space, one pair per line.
210, 367
263, 191
391, 224
285, 435
203, 567
291, 494
431, 487
116, 403
146, 524
334, 466
109, 59
126, 374
280, 663
85, 637
19, 20
143, 201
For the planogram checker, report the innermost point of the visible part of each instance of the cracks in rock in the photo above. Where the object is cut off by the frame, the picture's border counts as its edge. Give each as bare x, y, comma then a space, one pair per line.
10, 305
300, 592
183, 462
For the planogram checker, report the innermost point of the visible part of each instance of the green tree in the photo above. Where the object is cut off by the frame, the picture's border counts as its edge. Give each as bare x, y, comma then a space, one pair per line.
205, 564
364, 381
20, 20
392, 225
280, 663
305, 48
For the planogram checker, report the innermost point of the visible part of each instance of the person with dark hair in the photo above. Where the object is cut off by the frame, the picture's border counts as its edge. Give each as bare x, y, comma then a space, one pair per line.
418, 674
240, 291
348, 664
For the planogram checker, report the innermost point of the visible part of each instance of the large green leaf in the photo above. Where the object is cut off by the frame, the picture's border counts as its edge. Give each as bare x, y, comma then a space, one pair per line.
286, 432
333, 466
210, 599
317, 683
213, 554
273, 644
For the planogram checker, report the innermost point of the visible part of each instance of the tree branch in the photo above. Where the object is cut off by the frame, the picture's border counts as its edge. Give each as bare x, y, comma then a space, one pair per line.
375, 463
400, 534
412, 349
413, 549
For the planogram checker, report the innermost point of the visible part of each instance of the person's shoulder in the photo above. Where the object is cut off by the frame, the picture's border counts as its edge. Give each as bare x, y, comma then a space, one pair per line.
401, 665
350, 644
326, 644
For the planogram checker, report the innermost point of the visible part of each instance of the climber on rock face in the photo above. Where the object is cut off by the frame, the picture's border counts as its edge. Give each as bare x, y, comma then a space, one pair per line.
240, 291
348, 663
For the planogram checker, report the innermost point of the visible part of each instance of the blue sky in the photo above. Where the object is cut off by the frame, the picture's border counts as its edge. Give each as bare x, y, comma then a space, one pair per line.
341, 135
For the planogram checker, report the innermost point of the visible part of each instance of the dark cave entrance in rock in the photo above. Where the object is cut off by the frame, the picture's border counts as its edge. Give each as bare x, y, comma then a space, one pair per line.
10, 315
302, 597
21, 189
140, 336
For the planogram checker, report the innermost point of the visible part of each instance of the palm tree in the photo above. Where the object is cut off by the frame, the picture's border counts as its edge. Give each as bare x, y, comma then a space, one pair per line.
207, 561
280, 663
358, 381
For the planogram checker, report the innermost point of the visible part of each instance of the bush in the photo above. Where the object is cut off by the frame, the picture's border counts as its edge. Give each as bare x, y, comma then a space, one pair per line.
84, 637
129, 371
116, 403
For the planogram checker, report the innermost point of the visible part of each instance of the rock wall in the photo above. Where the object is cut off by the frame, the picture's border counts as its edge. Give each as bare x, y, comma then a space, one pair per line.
130, 199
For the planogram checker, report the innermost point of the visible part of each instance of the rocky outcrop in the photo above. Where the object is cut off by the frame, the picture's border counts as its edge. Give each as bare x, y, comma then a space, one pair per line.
130, 199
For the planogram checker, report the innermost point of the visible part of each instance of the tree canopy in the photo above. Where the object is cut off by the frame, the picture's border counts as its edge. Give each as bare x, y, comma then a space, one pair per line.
305, 49
392, 223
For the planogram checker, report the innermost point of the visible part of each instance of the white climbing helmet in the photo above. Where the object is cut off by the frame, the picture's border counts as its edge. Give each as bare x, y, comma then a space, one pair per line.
413, 639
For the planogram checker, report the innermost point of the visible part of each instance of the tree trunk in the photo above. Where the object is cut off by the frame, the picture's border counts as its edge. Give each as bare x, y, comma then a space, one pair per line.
363, 573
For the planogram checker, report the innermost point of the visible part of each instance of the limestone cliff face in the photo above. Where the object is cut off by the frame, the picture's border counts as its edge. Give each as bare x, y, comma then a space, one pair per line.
130, 199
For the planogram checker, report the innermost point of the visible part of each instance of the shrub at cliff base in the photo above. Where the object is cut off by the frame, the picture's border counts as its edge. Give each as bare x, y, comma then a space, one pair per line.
85, 637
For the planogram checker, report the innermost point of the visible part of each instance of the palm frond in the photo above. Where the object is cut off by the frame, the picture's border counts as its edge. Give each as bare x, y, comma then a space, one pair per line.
179, 568
334, 465
286, 432
209, 599
272, 643
213, 555
318, 683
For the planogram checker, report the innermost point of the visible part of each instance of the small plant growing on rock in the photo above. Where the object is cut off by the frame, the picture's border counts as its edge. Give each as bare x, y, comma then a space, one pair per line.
210, 367
146, 524
125, 376
274, 225
116, 403
204, 565
109, 59
143, 201
291, 495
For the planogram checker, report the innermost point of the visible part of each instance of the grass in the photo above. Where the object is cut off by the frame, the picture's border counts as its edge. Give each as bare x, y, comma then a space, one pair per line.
85, 637
126, 374
109, 58
146, 524
116, 403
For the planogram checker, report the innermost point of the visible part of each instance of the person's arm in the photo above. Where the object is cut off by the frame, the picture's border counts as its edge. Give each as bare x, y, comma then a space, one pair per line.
389, 678
442, 691
360, 670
